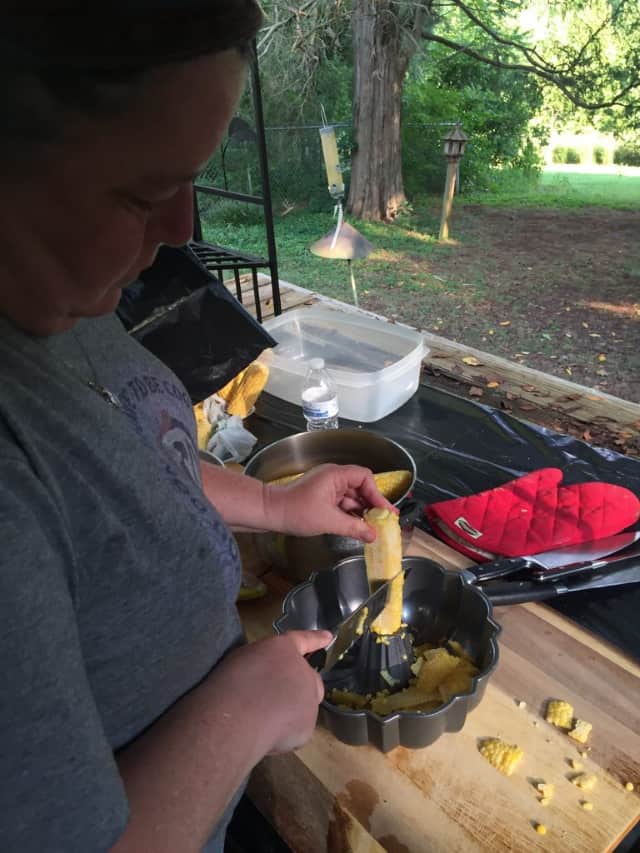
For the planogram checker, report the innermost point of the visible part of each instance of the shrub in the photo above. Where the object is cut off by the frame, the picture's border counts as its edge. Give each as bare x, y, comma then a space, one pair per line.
559, 154
627, 155
573, 157
599, 155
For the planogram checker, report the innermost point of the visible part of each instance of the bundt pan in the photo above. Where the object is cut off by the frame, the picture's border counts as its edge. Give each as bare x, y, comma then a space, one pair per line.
438, 605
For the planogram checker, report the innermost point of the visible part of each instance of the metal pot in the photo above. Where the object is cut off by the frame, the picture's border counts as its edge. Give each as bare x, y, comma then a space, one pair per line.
298, 556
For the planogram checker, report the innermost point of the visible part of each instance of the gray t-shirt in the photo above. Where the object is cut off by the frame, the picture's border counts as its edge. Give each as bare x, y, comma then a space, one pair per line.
118, 579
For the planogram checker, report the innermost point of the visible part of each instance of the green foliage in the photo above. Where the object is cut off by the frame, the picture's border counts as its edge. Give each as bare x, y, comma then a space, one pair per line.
559, 154
599, 155
627, 155
493, 105
306, 61
573, 156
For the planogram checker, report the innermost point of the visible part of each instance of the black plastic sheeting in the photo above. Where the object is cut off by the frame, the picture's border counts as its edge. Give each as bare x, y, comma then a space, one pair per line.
461, 447
189, 320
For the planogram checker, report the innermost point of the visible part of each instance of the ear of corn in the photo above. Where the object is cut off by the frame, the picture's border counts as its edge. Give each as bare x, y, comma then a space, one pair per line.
503, 756
391, 484
244, 389
282, 481
383, 559
203, 427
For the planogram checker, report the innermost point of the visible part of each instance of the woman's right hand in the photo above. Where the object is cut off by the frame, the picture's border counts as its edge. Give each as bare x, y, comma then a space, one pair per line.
273, 676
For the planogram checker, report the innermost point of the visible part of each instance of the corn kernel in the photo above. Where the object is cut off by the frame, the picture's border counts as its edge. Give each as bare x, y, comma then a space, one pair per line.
629, 786
587, 806
585, 781
576, 765
541, 829
503, 756
438, 664
522, 704
559, 713
545, 801
546, 789
580, 731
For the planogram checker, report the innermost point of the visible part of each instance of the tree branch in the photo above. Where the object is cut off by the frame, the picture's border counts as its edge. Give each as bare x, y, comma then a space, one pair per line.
529, 52
556, 79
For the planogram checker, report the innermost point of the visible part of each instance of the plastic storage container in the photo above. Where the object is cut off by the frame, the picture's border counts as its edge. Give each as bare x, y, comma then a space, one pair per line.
375, 365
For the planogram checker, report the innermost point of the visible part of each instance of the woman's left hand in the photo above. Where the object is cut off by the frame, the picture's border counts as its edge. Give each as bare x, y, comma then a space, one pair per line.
328, 499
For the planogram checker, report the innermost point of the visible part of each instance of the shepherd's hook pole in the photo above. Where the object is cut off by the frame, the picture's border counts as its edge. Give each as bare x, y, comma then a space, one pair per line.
353, 283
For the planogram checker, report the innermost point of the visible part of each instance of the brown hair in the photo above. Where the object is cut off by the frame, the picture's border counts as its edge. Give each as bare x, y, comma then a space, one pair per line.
66, 58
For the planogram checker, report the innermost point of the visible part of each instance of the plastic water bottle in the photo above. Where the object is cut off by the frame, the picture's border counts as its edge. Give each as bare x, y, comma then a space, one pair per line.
319, 397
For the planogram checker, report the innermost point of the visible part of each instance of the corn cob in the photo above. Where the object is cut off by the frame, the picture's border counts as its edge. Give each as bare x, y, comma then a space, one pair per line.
203, 427
244, 389
391, 484
383, 559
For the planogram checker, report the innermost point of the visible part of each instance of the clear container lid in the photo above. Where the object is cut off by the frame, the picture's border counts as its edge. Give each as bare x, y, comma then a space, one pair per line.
346, 342
316, 364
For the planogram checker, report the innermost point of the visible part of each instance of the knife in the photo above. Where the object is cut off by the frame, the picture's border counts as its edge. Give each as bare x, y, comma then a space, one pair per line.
578, 556
519, 592
351, 628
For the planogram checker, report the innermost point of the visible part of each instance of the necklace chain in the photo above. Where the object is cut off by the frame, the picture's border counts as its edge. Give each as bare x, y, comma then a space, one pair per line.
93, 383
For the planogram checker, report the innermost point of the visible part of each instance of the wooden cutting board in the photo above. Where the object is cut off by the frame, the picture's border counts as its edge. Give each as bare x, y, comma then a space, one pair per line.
446, 798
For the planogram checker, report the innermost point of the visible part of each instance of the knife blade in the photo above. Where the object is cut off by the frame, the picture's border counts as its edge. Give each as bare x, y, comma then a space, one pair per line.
573, 555
578, 568
351, 628
519, 592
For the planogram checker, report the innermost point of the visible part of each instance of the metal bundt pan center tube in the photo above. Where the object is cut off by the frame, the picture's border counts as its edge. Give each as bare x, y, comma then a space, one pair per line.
438, 604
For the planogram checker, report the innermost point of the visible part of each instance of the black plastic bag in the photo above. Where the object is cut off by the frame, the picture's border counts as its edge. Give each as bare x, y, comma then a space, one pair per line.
189, 320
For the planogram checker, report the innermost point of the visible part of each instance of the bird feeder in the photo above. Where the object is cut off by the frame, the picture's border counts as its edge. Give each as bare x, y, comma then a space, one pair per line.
453, 143
332, 161
343, 242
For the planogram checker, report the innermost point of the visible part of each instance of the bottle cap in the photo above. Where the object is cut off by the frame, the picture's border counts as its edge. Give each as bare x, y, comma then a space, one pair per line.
316, 364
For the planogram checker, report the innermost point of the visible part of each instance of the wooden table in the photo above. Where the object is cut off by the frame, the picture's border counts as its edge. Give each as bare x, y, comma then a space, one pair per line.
445, 798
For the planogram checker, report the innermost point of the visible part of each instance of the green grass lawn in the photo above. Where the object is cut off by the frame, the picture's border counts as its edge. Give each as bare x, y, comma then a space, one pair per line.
298, 230
566, 186
411, 238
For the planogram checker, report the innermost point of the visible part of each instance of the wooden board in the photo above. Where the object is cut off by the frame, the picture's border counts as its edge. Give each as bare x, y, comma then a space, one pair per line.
447, 797
585, 404
534, 387
290, 297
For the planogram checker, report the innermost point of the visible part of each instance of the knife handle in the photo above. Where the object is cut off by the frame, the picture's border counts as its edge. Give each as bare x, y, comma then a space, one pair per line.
521, 593
317, 659
500, 568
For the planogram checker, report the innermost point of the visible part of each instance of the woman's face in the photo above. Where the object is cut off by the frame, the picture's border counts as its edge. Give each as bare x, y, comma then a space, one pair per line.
93, 213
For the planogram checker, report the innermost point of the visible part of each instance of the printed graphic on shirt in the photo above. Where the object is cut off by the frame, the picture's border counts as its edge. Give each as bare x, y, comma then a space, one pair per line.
175, 439
161, 413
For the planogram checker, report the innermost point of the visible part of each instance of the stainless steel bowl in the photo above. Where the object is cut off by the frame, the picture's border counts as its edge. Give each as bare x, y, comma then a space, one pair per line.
297, 556
438, 604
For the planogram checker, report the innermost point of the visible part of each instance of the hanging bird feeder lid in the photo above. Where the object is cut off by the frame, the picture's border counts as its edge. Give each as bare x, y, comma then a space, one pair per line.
348, 245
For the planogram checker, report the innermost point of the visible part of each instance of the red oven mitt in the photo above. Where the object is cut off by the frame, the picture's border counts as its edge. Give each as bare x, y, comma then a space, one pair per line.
532, 514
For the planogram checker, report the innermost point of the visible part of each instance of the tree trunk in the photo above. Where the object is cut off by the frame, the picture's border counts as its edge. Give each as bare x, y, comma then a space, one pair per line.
380, 61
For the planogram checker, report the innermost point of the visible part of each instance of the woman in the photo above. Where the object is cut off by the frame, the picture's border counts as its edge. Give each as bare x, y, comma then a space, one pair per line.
131, 712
